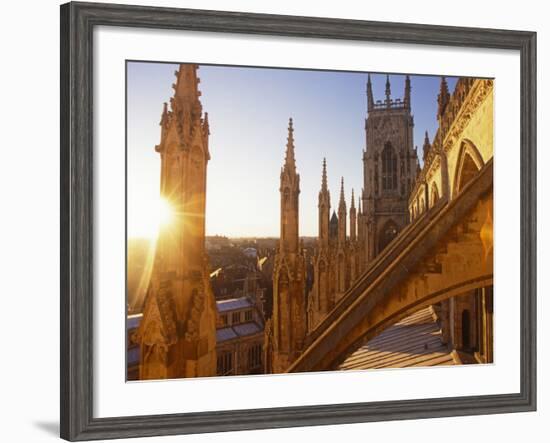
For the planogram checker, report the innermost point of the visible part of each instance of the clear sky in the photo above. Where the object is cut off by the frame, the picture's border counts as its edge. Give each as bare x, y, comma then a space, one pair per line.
248, 110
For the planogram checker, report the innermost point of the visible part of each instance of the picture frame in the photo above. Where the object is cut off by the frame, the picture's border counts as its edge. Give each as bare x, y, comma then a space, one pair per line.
78, 21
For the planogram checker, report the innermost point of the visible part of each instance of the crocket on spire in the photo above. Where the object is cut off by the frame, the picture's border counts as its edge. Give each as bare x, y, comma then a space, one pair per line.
290, 160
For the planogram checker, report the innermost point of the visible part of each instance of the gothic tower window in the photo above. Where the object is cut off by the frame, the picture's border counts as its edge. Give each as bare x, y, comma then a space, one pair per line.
389, 168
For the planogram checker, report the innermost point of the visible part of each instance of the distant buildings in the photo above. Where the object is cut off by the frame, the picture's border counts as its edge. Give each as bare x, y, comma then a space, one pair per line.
240, 336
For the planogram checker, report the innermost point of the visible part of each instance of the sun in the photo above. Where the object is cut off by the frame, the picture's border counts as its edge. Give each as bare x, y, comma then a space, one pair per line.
148, 215
165, 213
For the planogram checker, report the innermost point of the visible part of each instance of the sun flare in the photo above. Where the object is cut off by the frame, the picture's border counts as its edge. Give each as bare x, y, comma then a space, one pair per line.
148, 216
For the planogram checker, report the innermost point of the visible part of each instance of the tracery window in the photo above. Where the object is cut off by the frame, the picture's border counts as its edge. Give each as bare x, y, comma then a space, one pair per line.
389, 168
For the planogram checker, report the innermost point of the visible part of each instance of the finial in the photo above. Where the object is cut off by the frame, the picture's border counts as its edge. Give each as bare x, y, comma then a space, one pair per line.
426, 146
164, 117
388, 90
443, 97
206, 124
352, 199
342, 204
370, 97
324, 186
407, 98
290, 161
186, 90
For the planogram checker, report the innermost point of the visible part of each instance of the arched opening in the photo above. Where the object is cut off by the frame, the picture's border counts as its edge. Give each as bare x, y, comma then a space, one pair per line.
466, 329
389, 168
468, 165
388, 233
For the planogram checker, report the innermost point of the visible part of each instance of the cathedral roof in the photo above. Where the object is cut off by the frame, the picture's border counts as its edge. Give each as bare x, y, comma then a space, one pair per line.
233, 304
413, 341
241, 330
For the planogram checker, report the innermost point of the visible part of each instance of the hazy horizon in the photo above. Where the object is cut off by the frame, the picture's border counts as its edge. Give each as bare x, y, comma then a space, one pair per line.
248, 111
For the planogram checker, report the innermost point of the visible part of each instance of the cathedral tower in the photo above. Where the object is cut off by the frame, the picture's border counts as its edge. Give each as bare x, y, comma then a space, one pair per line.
389, 169
178, 330
289, 304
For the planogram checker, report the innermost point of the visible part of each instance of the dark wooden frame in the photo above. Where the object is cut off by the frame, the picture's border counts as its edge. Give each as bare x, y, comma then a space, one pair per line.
77, 23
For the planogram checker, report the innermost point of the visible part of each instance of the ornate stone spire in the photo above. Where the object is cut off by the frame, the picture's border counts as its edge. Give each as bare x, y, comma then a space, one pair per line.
426, 147
370, 97
186, 88
407, 96
164, 116
388, 91
324, 186
186, 108
352, 218
290, 160
205, 124
324, 208
342, 202
443, 97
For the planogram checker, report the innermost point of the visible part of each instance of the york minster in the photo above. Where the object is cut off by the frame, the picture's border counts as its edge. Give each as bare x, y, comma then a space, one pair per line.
284, 221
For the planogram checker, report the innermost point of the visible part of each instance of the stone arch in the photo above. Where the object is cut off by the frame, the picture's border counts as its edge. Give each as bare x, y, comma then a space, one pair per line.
388, 232
468, 164
434, 194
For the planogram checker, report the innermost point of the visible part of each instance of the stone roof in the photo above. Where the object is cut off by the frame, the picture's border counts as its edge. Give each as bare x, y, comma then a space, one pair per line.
240, 330
413, 341
233, 304
133, 321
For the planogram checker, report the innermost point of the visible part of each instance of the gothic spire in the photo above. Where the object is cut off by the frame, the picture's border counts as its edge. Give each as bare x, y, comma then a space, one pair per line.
360, 211
370, 97
324, 186
426, 146
407, 97
205, 124
164, 116
342, 203
290, 160
352, 199
186, 88
388, 90
443, 97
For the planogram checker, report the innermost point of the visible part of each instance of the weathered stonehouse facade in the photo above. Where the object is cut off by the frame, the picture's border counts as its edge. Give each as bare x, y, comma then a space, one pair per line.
177, 334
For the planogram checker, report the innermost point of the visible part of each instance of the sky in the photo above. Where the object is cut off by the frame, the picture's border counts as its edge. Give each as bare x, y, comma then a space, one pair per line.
248, 110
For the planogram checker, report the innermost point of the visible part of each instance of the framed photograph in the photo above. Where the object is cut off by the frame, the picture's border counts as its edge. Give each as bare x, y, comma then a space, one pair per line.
273, 221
